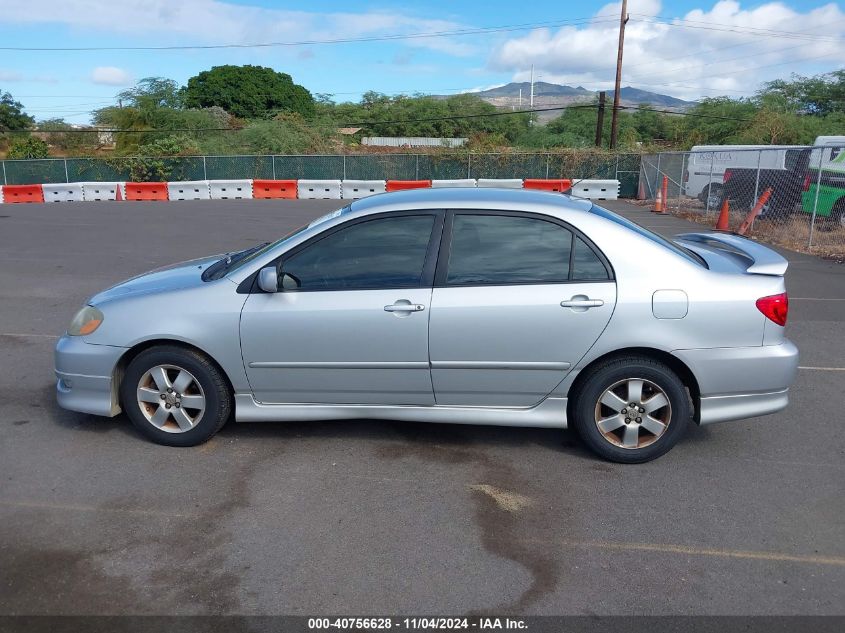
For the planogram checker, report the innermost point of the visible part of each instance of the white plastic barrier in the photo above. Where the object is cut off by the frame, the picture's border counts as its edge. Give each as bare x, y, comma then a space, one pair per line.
501, 183
61, 192
351, 189
463, 182
230, 189
188, 190
96, 191
596, 189
318, 189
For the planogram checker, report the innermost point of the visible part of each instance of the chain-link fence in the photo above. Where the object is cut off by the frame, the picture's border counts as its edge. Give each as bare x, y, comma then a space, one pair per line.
799, 192
572, 164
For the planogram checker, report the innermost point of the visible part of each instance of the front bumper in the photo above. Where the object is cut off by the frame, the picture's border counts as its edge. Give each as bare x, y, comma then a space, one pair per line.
742, 382
85, 376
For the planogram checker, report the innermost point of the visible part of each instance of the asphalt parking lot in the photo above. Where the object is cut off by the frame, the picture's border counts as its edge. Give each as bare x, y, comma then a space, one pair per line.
391, 518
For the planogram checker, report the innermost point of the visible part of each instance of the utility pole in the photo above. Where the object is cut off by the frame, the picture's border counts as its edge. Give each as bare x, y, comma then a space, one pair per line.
615, 115
531, 100
520, 98
600, 118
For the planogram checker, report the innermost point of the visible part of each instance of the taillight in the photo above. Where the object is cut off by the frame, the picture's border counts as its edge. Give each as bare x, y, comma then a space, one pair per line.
727, 176
806, 185
774, 307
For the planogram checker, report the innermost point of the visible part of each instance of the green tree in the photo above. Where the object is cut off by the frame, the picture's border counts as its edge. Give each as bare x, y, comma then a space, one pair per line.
65, 137
153, 92
818, 95
248, 92
29, 147
12, 116
716, 121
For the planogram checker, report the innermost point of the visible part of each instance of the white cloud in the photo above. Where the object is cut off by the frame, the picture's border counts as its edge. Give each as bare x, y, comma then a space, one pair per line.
216, 21
110, 76
10, 75
703, 53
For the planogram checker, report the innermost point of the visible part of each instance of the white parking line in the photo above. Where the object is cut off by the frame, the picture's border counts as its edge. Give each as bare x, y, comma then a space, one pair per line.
815, 299
822, 368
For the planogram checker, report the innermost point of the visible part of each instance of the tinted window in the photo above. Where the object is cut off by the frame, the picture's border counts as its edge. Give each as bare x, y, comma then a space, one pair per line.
384, 253
500, 249
586, 265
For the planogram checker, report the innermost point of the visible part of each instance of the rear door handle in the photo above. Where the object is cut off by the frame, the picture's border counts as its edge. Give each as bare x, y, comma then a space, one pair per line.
582, 303
405, 307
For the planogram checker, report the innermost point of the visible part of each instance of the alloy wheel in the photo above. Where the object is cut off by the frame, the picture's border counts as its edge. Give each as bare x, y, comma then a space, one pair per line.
633, 413
171, 398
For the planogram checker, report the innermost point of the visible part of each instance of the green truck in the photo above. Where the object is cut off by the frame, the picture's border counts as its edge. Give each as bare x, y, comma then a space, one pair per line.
824, 180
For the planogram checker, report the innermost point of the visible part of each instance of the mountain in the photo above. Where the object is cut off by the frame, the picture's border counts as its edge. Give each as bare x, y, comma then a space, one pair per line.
541, 89
635, 96
548, 95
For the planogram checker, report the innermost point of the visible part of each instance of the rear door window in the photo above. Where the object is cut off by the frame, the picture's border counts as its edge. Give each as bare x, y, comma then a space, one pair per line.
500, 249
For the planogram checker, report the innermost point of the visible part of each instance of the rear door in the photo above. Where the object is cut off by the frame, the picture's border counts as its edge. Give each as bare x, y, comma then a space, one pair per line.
518, 300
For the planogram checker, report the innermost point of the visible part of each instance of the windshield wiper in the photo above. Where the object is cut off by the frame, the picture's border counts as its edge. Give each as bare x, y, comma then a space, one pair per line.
219, 268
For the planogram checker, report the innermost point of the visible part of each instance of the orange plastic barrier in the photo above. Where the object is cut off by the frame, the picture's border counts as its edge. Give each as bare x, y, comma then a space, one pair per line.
146, 191
545, 184
401, 185
274, 189
23, 193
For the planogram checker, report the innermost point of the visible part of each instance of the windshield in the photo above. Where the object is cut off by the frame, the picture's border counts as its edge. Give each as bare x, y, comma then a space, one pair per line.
232, 261
654, 237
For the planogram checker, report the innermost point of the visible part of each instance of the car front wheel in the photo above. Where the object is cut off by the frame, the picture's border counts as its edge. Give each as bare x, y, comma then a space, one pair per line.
175, 396
631, 410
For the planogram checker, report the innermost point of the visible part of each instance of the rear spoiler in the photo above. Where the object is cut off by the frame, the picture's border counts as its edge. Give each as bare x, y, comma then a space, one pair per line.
761, 259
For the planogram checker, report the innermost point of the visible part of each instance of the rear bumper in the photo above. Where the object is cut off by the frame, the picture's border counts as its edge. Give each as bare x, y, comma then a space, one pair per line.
85, 376
742, 382
739, 407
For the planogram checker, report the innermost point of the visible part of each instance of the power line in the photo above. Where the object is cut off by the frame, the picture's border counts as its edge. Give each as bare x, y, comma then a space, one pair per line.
344, 40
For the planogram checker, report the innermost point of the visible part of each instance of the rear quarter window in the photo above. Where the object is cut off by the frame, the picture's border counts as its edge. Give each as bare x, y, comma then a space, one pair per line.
654, 237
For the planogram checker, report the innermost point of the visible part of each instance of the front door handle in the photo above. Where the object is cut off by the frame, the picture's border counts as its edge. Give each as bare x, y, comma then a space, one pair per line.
404, 306
581, 302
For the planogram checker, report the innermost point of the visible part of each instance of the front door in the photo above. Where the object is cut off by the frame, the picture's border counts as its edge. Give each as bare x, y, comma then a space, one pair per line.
518, 301
350, 325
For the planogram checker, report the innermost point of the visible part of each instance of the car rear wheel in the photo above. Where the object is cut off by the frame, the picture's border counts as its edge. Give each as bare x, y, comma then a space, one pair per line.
175, 396
631, 410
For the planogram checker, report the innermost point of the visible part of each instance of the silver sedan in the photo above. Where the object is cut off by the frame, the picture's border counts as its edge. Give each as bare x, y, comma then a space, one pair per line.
473, 306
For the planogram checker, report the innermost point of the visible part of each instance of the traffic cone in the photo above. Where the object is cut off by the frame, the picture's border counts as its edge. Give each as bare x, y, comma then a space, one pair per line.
746, 224
723, 223
658, 202
662, 195
118, 194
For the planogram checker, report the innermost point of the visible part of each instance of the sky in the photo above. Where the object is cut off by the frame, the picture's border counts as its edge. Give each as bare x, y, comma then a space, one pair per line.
686, 48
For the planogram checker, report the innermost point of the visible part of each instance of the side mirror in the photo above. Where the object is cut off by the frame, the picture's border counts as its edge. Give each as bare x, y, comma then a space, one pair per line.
268, 279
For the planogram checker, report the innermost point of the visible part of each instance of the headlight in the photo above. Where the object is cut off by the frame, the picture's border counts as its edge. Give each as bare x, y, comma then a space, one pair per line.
85, 322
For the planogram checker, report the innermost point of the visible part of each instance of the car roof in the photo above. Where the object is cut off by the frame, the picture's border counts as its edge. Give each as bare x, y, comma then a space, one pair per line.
471, 198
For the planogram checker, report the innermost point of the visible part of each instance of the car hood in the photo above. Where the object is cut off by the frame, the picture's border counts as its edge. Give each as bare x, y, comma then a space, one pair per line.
172, 277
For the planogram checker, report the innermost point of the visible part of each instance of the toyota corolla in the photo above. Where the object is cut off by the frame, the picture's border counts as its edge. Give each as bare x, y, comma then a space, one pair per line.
472, 306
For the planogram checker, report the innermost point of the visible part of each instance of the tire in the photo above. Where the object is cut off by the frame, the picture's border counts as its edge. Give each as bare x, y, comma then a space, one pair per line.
717, 196
837, 215
631, 442
160, 380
